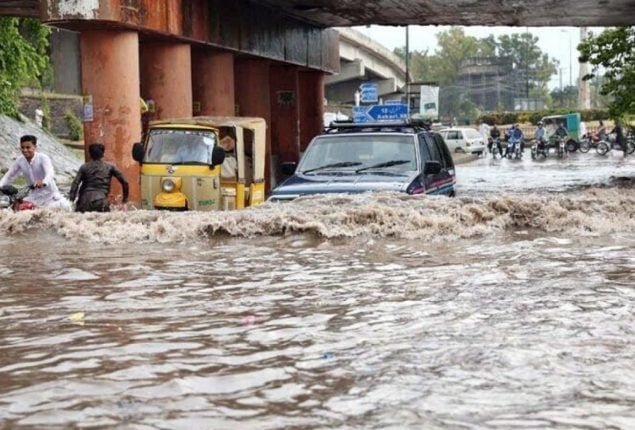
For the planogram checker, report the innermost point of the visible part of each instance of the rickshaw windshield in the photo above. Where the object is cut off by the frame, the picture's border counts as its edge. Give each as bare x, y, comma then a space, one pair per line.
172, 146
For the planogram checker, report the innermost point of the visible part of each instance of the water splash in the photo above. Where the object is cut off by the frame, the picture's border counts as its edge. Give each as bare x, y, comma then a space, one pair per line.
592, 211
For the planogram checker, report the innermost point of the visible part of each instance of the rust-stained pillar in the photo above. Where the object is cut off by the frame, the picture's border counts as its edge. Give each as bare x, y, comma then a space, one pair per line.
166, 78
213, 83
285, 125
311, 106
110, 84
252, 98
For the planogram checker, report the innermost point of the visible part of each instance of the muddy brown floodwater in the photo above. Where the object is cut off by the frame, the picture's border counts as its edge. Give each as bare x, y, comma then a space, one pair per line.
510, 306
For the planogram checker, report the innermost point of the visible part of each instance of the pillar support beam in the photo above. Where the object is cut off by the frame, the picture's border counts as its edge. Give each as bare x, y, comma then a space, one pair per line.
110, 85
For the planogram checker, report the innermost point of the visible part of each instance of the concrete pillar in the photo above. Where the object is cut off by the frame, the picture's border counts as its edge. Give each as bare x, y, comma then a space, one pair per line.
110, 85
311, 106
213, 83
285, 123
166, 78
252, 99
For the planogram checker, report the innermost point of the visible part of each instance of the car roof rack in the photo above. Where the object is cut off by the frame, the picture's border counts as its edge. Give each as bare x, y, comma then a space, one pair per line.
413, 125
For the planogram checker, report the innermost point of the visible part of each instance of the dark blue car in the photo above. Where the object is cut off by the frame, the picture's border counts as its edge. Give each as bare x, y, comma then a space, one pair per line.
354, 158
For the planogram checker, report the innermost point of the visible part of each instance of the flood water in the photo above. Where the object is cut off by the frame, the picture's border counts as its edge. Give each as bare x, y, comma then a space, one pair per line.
508, 307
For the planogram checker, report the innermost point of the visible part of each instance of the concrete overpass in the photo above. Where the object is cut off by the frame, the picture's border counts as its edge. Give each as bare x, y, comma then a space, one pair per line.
346, 13
363, 60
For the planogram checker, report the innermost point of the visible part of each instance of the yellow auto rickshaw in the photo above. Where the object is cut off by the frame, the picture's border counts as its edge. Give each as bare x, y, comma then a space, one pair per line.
184, 167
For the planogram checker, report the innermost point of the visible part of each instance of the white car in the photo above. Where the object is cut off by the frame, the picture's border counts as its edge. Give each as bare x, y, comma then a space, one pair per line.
463, 139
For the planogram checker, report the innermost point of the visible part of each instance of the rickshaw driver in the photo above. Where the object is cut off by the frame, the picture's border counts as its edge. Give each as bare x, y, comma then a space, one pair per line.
193, 150
229, 168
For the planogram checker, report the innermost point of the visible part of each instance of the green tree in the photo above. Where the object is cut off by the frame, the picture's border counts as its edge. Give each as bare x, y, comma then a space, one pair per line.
23, 58
532, 67
526, 67
613, 51
566, 97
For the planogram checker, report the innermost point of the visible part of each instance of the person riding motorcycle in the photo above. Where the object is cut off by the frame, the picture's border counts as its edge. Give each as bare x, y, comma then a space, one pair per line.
515, 137
619, 136
561, 132
37, 170
601, 131
540, 136
495, 135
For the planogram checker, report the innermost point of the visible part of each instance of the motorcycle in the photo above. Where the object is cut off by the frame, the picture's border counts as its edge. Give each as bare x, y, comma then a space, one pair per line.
589, 141
539, 148
495, 147
605, 146
513, 149
13, 198
560, 147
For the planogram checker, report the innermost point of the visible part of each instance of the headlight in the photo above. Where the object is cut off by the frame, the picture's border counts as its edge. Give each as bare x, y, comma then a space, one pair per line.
169, 185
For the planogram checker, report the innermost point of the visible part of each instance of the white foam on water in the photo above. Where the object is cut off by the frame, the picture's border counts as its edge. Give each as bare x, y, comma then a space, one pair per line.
592, 211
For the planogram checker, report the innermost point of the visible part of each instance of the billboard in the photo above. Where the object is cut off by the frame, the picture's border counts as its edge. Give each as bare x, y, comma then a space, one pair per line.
429, 102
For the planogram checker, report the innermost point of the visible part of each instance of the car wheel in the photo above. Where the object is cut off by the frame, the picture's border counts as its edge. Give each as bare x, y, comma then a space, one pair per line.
572, 146
459, 151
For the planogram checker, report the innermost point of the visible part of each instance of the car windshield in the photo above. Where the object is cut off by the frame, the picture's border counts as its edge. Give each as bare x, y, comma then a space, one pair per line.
360, 153
172, 146
471, 134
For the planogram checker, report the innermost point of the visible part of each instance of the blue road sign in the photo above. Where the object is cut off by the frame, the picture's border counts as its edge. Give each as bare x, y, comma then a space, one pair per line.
388, 112
360, 114
368, 92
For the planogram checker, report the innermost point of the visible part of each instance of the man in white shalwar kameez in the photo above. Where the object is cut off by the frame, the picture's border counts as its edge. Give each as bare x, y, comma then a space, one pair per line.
484, 130
38, 171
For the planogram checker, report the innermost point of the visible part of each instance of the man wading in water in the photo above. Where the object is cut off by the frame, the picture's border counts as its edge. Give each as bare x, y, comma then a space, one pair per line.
95, 177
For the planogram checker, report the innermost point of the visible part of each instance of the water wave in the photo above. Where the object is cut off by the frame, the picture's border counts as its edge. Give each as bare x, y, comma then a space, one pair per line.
590, 211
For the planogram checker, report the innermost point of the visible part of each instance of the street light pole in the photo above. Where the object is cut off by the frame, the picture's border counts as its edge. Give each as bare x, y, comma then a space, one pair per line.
561, 90
570, 55
570, 62
407, 71
527, 65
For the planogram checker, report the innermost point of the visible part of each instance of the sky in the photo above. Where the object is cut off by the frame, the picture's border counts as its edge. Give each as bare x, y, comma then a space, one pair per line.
559, 42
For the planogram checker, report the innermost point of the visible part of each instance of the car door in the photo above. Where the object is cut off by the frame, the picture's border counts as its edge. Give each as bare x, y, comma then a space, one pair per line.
453, 139
447, 175
461, 141
434, 184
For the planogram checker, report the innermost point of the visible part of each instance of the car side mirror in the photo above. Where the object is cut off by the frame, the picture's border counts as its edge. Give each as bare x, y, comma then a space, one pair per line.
431, 168
137, 152
218, 156
288, 167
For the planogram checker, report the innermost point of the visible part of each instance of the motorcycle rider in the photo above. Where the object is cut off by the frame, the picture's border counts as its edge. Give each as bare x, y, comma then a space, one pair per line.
540, 136
561, 131
516, 137
619, 136
601, 131
495, 135
561, 134
37, 169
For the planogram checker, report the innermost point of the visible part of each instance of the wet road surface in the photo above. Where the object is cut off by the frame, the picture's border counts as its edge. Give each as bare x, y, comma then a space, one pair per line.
510, 306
